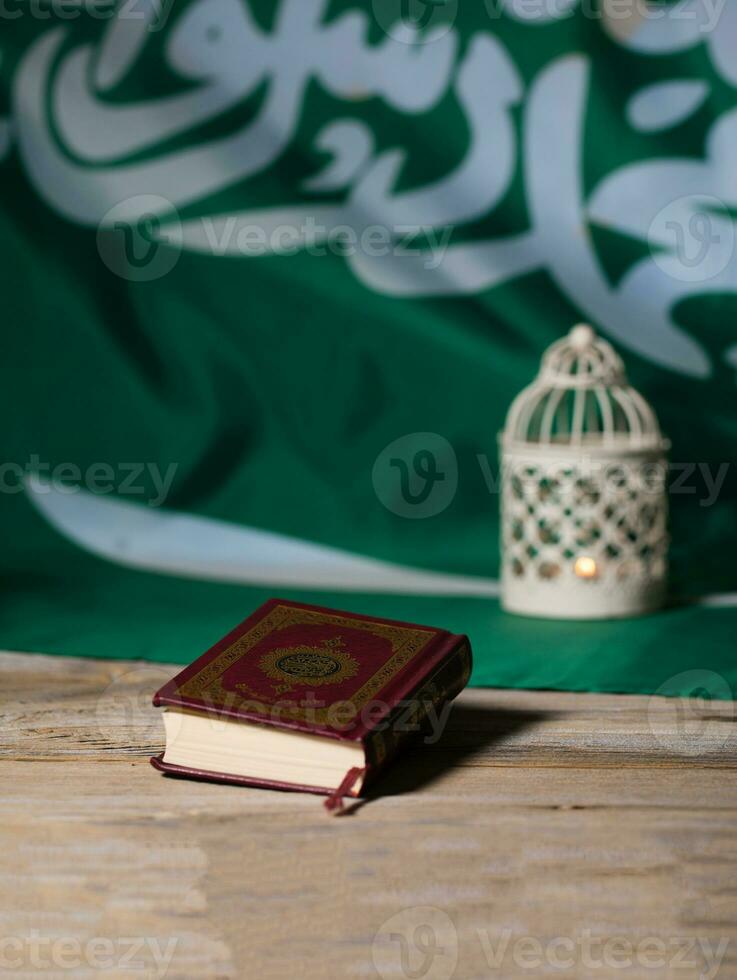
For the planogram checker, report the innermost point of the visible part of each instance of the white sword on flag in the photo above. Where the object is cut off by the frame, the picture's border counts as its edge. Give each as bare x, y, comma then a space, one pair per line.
176, 543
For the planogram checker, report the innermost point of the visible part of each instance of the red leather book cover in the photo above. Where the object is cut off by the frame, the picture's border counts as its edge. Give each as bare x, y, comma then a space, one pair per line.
321, 671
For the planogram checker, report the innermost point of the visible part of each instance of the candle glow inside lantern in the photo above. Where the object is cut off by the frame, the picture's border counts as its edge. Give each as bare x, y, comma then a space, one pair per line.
584, 505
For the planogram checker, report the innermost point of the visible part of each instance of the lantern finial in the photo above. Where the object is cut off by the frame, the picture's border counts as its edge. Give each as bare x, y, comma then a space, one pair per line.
581, 336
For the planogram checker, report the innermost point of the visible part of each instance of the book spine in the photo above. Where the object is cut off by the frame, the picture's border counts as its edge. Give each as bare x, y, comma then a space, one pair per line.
409, 718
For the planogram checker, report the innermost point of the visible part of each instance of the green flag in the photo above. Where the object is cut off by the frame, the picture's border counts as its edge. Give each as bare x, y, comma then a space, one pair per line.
273, 273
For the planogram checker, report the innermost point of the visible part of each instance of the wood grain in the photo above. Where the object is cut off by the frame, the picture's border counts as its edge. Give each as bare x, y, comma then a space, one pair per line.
544, 834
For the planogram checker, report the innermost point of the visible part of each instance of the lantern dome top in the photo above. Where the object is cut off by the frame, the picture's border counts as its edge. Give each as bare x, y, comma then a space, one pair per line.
581, 397
582, 360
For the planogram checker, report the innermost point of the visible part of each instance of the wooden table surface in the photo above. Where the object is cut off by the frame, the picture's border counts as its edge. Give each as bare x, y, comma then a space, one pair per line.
544, 834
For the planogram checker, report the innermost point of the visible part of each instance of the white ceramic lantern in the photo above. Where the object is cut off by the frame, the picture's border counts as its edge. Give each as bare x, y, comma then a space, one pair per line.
584, 506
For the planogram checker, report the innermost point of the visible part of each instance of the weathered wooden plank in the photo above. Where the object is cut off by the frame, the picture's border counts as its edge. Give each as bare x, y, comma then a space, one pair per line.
543, 834
105, 708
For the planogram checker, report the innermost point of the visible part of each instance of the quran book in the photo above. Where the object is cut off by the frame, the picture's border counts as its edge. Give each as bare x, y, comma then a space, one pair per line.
304, 698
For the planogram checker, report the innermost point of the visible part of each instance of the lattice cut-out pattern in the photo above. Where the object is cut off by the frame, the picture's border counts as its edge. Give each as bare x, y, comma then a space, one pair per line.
605, 525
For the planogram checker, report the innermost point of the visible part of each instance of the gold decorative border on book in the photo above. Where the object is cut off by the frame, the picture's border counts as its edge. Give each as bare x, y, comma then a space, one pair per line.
206, 685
